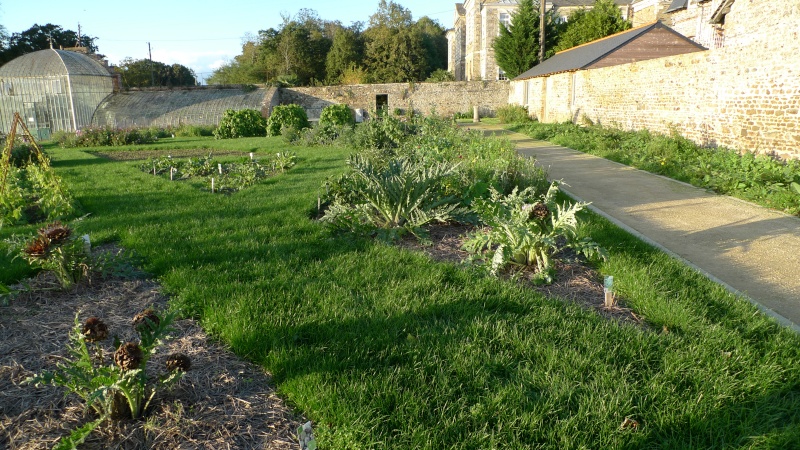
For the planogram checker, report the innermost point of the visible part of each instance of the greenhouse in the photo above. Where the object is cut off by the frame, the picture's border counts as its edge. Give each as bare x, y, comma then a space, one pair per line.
53, 90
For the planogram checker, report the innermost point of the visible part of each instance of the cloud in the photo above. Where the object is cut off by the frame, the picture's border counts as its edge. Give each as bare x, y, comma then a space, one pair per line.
218, 63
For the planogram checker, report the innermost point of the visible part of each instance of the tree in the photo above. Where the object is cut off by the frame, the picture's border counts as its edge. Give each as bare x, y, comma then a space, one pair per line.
39, 37
142, 73
297, 51
517, 48
434, 42
394, 47
586, 25
346, 53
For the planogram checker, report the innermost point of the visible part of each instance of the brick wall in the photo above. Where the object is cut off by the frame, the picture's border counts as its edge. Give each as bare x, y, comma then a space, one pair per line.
744, 96
444, 98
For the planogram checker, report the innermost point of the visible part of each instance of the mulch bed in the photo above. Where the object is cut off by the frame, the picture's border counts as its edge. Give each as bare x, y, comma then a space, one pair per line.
575, 280
223, 402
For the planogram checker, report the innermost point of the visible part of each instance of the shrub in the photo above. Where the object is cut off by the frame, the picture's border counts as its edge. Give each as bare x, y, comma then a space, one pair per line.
439, 76
241, 123
389, 201
513, 114
527, 230
286, 116
336, 115
194, 130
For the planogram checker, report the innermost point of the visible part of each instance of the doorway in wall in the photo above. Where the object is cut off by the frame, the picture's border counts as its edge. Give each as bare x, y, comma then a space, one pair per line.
381, 102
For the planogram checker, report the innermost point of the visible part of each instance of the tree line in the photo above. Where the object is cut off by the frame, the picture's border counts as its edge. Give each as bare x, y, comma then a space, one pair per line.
307, 50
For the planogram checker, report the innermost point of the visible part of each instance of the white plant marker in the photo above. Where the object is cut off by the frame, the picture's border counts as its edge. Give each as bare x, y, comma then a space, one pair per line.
608, 289
171, 172
212, 185
219, 166
154, 169
251, 156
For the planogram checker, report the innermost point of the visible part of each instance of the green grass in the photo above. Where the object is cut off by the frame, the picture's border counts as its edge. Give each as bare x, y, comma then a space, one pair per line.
385, 348
760, 179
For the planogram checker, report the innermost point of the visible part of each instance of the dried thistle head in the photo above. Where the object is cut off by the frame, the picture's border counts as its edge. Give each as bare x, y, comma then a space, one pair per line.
56, 232
128, 356
38, 247
539, 211
140, 320
94, 330
178, 361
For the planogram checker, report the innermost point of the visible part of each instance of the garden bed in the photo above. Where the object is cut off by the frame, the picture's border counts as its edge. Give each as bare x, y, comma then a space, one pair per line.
222, 402
575, 279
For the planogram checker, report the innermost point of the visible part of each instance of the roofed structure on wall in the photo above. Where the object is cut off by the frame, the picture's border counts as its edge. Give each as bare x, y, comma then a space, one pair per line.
650, 41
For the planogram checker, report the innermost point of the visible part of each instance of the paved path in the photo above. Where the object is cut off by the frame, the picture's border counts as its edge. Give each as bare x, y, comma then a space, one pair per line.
750, 249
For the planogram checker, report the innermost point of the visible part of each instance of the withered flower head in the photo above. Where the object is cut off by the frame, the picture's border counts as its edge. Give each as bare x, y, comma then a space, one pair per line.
38, 247
178, 361
538, 211
56, 232
140, 320
94, 330
128, 356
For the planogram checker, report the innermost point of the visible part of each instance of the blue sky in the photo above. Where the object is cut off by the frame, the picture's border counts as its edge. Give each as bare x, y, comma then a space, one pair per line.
198, 34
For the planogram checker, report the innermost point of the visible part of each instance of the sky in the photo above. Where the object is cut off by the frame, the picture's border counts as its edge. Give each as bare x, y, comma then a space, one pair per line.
201, 35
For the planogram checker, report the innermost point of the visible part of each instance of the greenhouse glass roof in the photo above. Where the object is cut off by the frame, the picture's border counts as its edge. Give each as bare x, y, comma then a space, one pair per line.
52, 62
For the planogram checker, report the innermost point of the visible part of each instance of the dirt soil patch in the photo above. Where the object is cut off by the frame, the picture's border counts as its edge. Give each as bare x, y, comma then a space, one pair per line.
132, 155
223, 402
575, 279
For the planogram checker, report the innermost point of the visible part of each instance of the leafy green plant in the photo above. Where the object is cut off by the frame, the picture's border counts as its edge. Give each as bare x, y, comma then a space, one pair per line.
400, 197
336, 115
291, 115
241, 123
107, 136
513, 114
524, 230
440, 76
54, 249
120, 388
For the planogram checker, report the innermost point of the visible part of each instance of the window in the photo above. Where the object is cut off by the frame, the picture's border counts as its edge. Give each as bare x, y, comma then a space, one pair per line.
505, 19
501, 75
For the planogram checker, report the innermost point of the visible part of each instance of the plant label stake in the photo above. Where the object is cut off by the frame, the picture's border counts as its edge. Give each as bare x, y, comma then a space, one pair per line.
171, 172
154, 169
608, 289
212, 185
251, 156
219, 166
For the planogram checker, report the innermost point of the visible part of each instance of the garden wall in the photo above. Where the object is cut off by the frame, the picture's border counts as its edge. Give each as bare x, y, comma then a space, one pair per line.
201, 105
444, 98
745, 95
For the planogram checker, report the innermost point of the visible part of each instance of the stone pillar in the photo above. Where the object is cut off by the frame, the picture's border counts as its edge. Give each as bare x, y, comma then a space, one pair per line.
475, 116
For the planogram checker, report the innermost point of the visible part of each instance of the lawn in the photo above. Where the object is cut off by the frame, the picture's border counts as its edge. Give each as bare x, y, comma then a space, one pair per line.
384, 347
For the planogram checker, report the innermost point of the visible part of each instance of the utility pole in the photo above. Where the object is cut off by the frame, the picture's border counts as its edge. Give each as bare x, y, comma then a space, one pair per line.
541, 30
152, 76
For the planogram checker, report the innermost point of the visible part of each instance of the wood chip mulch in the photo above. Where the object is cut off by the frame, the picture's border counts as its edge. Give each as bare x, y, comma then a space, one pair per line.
223, 402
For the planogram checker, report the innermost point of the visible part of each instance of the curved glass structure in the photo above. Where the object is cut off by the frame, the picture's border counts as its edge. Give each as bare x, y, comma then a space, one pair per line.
53, 90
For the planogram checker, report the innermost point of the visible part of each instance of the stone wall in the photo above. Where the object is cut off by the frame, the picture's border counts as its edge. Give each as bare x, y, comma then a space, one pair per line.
443, 98
201, 105
744, 96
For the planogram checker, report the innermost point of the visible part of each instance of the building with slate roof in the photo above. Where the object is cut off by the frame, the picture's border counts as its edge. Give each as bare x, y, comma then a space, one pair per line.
651, 41
53, 90
476, 24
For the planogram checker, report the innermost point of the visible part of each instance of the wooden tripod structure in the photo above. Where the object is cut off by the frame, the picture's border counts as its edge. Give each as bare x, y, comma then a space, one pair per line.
12, 136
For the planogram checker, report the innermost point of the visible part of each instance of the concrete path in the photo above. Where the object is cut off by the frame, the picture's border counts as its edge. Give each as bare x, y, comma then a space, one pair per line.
752, 250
